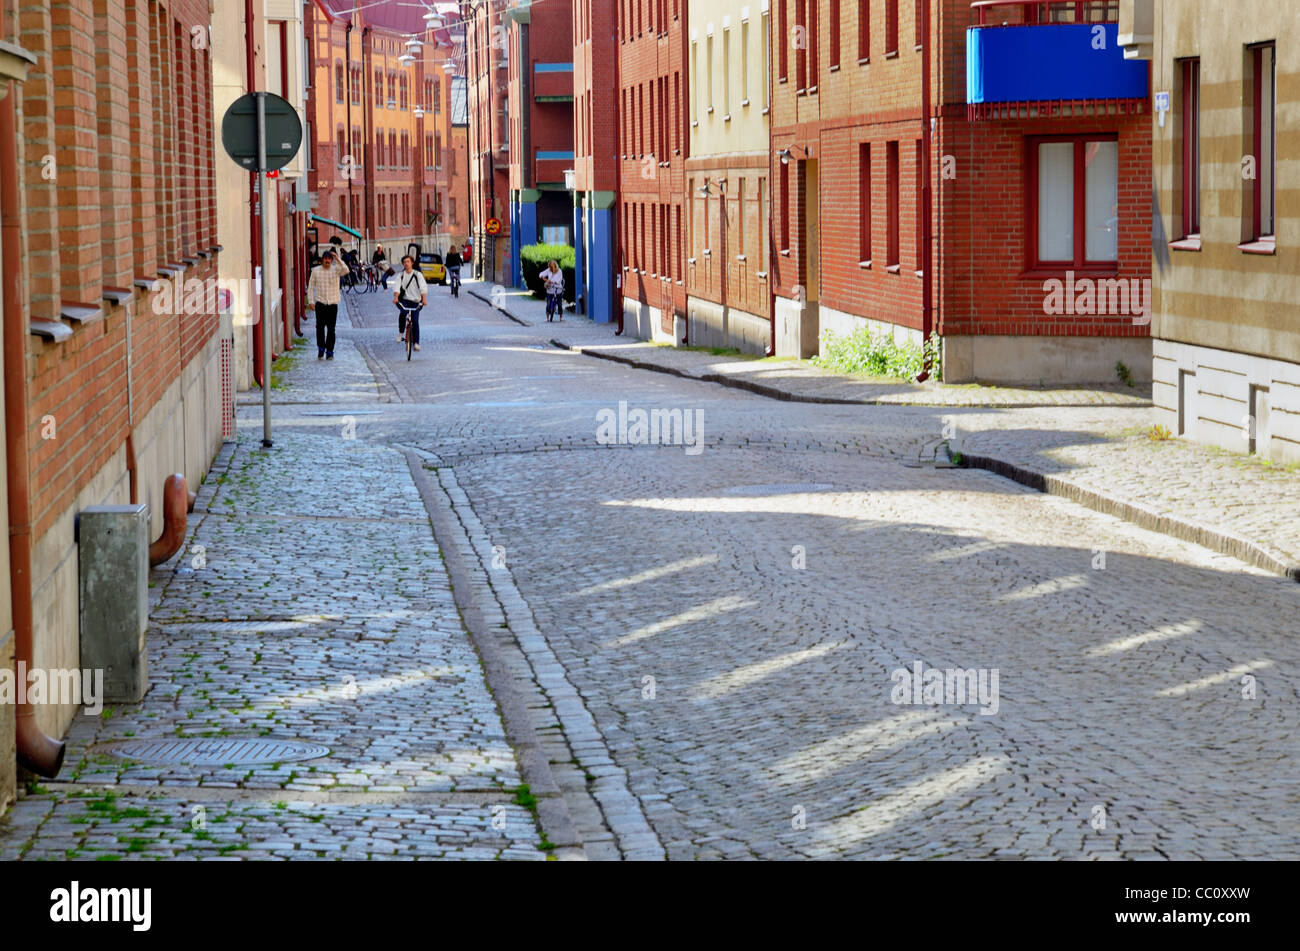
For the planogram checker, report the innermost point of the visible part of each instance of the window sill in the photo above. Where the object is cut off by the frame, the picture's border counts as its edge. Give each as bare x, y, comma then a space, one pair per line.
894, 269
766, 110
80, 313
727, 117
783, 80
52, 330
833, 69
891, 54
865, 265
919, 273
812, 90
745, 102
784, 252
1061, 273
742, 258
1264, 245
117, 295
1190, 243
864, 61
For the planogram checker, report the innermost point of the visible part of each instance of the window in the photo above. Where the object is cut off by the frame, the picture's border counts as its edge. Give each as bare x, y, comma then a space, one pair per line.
801, 51
392, 208
726, 71
695, 81
744, 62
379, 149
380, 204
342, 147
892, 254
767, 60
782, 21
404, 96
1074, 201
355, 73
1263, 140
864, 30
338, 82
437, 150
785, 207
740, 216
917, 14
708, 74
891, 26
835, 34
814, 44
392, 90
916, 202
864, 201
1191, 150
379, 88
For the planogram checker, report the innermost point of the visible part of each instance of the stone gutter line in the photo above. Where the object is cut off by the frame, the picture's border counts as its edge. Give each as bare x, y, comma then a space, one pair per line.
1217, 540
476, 294
776, 393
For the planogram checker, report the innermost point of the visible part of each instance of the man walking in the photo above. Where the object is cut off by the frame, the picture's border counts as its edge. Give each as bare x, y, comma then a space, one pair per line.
323, 294
410, 297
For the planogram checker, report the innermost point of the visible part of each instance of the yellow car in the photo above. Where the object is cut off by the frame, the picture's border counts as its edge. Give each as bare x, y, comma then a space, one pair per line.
432, 268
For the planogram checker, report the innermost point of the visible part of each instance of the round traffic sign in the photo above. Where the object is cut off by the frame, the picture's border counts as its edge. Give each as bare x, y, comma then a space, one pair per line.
283, 131
493, 226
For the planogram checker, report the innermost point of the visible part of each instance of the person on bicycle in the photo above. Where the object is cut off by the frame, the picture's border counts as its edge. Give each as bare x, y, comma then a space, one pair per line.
553, 277
380, 260
453, 263
411, 296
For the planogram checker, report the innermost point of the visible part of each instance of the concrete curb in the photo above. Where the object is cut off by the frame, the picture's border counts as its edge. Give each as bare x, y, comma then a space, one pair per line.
1218, 540
475, 294
552, 812
777, 393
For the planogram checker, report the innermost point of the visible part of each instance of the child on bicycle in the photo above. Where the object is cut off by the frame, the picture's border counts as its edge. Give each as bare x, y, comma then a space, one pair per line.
554, 280
411, 296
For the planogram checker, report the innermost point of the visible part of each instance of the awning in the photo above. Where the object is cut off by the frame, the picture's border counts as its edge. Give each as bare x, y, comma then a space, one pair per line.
340, 227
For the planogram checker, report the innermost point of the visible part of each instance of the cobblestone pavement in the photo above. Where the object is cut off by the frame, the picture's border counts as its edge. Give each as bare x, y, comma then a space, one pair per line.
310, 604
1095, 449
706, 640
1147, 686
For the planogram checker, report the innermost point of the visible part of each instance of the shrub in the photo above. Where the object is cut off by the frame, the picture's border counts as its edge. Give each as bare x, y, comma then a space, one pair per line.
876, 355
534, 258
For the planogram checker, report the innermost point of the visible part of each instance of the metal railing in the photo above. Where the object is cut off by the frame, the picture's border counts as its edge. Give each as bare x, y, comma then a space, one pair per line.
1049, 11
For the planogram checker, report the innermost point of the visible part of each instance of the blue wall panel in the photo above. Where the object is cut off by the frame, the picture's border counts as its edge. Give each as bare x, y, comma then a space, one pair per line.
1050, 61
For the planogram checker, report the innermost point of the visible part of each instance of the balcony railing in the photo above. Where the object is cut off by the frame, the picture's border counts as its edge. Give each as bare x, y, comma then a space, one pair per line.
1049, 52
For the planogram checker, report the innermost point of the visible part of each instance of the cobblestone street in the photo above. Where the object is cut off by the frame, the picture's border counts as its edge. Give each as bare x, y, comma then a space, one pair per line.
685, 651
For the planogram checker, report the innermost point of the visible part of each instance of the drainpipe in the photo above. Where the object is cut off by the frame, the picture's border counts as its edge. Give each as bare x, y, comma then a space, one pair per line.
37, 752
927, 195
254, 210
771, 238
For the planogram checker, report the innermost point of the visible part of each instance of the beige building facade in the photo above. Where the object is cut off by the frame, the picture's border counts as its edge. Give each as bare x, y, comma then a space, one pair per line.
1226, 303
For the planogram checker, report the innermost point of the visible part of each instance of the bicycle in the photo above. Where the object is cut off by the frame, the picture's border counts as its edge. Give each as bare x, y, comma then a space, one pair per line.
455, 281
408, 331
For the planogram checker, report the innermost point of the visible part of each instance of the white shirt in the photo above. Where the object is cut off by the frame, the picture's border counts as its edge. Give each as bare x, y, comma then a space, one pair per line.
411, 287
554, 281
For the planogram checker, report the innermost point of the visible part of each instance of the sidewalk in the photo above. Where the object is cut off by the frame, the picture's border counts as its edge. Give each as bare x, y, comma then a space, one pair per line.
1087, 444
310, 610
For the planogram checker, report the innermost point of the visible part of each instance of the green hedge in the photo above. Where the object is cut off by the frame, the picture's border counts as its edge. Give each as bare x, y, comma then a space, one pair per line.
534, 258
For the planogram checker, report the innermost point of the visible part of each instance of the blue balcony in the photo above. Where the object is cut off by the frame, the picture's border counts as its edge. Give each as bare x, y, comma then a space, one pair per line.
1050, 62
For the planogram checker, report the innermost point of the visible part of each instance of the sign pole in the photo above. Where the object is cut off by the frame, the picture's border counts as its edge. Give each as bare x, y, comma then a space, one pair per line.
262, 264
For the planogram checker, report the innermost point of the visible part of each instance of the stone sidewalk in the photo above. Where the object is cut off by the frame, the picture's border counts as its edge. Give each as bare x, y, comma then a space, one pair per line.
310, 608
1101, 454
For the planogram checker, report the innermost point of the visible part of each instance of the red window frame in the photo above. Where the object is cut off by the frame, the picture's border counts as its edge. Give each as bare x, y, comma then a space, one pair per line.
920, 187
1191, 151
892, 253
864, 30
891, 27
785, 207
1263, 152
1080, 262
864, 201
834, 15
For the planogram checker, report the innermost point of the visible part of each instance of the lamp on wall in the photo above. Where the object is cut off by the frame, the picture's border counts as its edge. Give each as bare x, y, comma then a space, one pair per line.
784, 154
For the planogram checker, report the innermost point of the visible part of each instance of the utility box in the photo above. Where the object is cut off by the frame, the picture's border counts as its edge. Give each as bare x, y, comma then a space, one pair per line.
113, 563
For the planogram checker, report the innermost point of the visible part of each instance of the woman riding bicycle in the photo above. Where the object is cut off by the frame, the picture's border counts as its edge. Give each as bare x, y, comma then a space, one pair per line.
453, 264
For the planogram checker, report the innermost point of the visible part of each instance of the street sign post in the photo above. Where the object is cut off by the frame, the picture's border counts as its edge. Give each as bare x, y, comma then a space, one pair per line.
262, 132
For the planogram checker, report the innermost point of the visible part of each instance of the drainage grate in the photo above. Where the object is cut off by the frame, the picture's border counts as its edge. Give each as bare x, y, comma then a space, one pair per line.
216, 751
779, 488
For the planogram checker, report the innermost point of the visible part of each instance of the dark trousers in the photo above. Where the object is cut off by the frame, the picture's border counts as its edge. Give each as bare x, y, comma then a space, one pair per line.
326, 316
409, 312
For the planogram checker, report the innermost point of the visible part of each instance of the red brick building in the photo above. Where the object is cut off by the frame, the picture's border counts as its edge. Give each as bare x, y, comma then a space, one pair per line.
111, 383
596, 159
654, 144
487, 54
381, 118
1041, 175
540, 88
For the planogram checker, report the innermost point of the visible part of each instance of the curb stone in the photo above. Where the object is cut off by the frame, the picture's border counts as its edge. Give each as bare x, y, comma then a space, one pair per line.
478, 296
1223, 542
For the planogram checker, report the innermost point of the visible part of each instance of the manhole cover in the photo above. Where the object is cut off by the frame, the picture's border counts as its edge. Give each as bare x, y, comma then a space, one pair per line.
215, 751
779, 488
